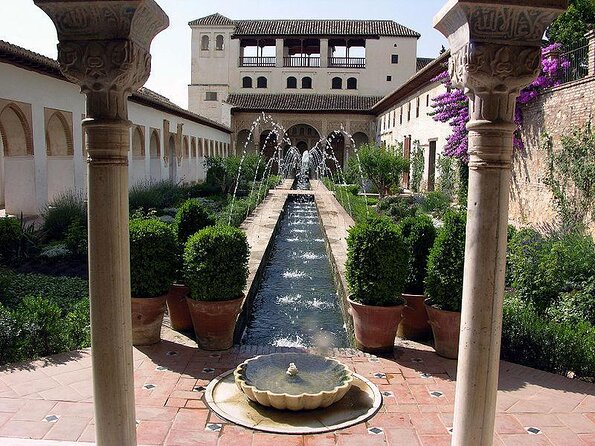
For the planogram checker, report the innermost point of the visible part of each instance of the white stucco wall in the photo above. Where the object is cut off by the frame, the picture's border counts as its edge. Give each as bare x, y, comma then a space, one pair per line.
29, 182
391, 131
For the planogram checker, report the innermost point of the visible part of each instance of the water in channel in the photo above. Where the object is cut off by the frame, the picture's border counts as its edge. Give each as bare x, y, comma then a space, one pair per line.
296, 304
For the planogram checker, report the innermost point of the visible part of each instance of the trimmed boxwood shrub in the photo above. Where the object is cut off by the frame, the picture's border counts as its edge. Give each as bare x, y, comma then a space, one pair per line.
10, 238
435, 202
419, 233
216, 263
533, 340
191, 217
153, 257
397, 207
376, 265
444, 281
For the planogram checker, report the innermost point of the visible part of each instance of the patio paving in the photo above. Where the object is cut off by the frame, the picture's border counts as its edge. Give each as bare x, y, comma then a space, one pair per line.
51, 399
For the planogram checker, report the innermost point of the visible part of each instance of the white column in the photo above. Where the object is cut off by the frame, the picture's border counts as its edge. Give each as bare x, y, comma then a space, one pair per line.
108, 62
495, 52
324, 53
279, 53
40, 158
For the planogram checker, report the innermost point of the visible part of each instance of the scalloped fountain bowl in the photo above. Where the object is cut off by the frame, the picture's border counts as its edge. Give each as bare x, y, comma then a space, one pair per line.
293, 381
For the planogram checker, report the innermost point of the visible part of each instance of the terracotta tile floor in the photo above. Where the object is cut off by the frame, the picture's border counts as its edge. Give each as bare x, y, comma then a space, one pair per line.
51, 400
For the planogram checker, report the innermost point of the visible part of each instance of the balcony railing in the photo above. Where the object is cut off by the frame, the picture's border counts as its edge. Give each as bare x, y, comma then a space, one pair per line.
313, 62
258, 61
575, 64
347, 62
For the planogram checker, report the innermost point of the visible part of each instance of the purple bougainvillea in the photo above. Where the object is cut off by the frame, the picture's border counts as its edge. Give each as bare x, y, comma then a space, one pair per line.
452, 106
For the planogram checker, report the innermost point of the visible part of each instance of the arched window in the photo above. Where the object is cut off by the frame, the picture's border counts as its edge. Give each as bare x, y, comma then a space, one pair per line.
261, 82
291, 82
204, 43
337, 83
307, 82
352, 83
138, 142
246, 82
219, 43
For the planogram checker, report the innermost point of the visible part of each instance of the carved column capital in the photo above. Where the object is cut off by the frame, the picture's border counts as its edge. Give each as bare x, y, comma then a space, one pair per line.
104, 48
495, 52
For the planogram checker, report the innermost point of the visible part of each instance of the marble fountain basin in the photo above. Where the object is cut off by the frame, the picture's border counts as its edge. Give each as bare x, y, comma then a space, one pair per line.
293, 381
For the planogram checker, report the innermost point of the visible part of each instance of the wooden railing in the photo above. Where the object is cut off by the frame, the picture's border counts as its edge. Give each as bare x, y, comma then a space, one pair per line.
258, 61
347, 62
313, 62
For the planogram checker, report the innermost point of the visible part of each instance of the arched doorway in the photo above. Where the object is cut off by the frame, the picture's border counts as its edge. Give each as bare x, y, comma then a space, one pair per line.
336, 151
303, 134
155, 155
18, 165
60, 163
171, 159
268, 144
244, 141
137, 171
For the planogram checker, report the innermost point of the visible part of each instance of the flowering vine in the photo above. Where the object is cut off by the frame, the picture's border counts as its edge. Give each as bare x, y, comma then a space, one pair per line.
452, 106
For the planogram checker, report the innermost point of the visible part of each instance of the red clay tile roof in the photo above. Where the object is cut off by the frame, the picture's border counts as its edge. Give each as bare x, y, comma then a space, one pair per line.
302, 102
422, 62
29, 60
321, 27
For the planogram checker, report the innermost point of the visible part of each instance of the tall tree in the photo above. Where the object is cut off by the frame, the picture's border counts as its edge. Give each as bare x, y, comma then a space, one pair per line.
570, 28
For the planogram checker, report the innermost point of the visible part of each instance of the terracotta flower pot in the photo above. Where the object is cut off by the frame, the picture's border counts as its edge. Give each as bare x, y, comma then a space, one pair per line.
179, 314
214, 322
147, 317
415, 325
445, 326
375, 327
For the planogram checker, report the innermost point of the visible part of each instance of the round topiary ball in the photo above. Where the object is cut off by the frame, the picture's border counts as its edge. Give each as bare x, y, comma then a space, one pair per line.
216, 263
376, 265
191, 217
152, 257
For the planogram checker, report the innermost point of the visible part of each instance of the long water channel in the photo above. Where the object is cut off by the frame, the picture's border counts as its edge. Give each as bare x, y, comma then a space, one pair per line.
296, 304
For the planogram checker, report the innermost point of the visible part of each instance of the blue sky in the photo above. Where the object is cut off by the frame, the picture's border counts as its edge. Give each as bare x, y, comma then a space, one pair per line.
22, 23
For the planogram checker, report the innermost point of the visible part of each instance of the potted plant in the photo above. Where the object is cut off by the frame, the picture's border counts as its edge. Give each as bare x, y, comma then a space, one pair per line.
419, 233
190, 218
444, 284
216, 270
376, 270
152, 271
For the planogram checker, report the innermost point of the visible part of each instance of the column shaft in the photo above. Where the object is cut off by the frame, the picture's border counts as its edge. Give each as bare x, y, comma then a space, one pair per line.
109, 284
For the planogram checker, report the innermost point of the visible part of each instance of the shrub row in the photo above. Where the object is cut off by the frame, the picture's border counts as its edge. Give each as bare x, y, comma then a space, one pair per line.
536, 341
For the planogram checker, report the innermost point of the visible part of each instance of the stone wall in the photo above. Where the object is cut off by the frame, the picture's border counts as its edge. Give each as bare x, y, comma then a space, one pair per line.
557, 112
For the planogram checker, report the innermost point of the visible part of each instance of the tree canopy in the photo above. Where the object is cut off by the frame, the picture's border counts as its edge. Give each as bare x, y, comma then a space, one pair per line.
570, 28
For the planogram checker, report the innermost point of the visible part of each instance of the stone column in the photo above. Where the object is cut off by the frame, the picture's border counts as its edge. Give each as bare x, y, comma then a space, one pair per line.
279, 53
495, 52
104, 47
591, 42
324, 53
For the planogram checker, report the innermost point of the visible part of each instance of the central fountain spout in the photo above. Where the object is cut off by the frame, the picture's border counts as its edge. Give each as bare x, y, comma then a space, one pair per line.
292, 370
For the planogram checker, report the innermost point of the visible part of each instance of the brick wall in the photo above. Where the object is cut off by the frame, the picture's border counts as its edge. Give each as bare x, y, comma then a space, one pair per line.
557, 112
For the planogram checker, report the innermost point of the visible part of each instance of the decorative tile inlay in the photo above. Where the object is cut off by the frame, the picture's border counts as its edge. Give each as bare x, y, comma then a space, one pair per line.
387, 393
417, 360
208, 370
379, 375
172, 353
425, 375
199, 389
450, 429
52, 418
149, 386
161, 368
374, 359
436, 394
533, 430
375, 430
213, 427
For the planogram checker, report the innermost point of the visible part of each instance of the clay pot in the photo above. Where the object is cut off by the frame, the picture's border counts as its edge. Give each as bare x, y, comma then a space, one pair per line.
445, 326
147, 317
415, 325
177, 308
215, 322
375, 327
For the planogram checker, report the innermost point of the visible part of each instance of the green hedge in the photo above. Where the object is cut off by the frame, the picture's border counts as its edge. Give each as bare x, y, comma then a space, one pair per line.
535, 341
10, 239
153, 258
419, 233
377, 258
216, 263
359, 207
191, 217
41, 315
63, 211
